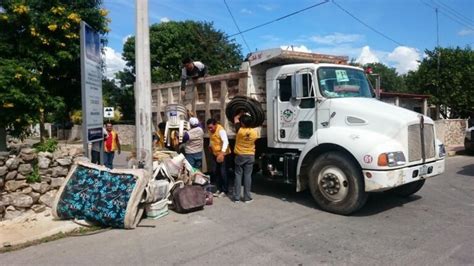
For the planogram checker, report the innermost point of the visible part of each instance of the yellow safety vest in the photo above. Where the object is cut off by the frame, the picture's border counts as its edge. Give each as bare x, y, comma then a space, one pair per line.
216, 141
245, 141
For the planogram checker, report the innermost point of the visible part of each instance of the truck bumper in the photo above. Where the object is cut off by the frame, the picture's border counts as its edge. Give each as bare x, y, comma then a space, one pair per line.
384, 180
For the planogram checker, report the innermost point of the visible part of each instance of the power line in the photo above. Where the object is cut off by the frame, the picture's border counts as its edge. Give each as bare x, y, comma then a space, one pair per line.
365, 24
453, 18
456, 13
237, 26
280, 18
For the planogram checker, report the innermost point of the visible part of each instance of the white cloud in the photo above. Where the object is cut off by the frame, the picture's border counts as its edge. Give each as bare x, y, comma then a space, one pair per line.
366, 56
405, 59
113, 62
465, 32
300, 48
246, 11
336, 38
268, 7
164, 19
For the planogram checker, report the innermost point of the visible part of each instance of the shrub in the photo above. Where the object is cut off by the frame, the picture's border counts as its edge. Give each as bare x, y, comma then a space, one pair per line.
49, 145
34, 176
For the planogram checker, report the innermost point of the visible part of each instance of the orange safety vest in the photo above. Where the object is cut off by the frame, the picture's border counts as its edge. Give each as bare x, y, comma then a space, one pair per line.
216, 141
111, 142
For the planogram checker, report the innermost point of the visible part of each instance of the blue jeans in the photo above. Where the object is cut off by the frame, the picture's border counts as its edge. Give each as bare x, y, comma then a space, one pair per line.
194, 159
243, 167
109, 159
220, 172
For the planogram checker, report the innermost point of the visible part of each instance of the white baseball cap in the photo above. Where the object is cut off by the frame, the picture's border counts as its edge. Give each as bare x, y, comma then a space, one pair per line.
193, 121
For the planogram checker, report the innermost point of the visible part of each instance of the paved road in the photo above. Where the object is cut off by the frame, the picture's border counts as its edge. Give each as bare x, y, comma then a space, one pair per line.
434, 227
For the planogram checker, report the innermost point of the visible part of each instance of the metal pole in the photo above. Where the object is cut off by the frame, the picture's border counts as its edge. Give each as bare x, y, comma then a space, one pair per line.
143, 87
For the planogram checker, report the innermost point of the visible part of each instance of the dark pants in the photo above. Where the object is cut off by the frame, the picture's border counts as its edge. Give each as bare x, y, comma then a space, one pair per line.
243, 167
109, 159
220, 173
194, 159
95, 157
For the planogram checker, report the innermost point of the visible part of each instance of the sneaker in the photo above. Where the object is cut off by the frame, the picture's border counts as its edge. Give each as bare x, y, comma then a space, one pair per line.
216, 194
236, 201
221, 195
248, 201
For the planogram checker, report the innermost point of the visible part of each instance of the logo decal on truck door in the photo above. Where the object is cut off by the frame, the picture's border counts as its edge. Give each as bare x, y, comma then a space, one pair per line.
287, 118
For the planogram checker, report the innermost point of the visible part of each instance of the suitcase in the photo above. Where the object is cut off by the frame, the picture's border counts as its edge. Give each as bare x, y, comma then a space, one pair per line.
188, 199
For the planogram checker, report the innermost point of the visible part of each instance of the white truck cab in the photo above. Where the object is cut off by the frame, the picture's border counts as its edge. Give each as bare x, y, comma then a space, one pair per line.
346, 142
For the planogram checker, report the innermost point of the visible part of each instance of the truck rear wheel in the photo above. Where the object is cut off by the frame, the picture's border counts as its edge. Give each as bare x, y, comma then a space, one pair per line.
336, 184
408, 189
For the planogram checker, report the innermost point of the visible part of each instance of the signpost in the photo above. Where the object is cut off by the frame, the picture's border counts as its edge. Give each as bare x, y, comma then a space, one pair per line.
91, 82
108, 112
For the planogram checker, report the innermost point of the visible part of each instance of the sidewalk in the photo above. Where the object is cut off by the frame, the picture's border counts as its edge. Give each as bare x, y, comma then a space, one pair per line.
32, 226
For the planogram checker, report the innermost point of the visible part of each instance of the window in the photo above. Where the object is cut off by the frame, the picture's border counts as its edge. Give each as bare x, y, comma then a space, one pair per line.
307, 92
338, 82
305, 129
285, 89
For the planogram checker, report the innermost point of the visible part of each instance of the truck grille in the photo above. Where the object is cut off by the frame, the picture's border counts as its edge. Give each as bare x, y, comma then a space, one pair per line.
415, 147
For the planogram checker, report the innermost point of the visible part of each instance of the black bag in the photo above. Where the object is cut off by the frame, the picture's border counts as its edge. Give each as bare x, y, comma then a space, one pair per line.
210, 188
188, 199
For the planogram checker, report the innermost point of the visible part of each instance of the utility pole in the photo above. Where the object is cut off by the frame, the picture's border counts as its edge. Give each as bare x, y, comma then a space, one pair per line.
143, 87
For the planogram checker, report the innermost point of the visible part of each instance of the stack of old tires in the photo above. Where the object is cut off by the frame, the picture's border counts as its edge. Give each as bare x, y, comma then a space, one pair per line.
248, 105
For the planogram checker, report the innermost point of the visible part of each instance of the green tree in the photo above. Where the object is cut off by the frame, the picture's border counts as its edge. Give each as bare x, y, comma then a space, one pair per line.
447, 75
119, 97
39, 40
390, 81
170, 42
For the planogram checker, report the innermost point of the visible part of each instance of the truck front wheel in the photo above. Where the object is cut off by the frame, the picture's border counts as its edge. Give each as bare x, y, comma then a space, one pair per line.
336, 184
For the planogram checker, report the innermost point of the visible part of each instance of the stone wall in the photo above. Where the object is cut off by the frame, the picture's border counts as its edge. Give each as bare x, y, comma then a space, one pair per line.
126, 134
451, 131
17, 193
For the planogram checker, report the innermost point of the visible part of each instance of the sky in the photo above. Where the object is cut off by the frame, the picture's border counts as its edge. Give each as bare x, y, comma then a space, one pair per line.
392, 32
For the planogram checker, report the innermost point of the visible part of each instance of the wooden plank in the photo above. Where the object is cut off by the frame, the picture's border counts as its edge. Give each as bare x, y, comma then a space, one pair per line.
223, 98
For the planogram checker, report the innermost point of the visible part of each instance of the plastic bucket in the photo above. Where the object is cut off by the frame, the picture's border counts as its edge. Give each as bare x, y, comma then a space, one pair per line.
175, 113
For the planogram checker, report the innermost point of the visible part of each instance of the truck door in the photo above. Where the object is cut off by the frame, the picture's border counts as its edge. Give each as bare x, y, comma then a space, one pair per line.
295, 122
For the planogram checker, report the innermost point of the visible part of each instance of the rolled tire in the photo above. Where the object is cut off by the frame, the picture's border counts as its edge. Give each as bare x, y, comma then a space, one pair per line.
246, 104
408, 189
336, 184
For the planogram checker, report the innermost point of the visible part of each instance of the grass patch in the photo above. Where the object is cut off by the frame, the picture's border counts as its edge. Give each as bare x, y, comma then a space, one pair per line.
126, 147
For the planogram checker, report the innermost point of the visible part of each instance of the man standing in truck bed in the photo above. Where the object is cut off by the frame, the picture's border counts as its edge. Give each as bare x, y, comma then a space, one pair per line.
191, 69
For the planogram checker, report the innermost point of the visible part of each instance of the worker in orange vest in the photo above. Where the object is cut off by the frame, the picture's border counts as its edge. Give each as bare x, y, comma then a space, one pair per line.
111, 144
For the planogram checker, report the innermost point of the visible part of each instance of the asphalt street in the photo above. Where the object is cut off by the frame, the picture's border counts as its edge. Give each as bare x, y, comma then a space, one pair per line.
282, 227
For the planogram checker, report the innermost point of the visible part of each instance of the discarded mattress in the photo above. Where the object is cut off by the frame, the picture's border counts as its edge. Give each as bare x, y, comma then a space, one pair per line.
98, 194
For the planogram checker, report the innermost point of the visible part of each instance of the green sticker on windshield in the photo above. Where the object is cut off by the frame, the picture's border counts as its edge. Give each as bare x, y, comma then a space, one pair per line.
341, 75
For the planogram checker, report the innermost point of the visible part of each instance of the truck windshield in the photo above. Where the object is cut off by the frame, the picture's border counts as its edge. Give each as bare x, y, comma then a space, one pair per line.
338, 82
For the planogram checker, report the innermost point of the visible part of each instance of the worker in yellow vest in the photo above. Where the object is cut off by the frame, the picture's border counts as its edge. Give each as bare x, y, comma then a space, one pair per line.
244, 155
111, 144
219, 146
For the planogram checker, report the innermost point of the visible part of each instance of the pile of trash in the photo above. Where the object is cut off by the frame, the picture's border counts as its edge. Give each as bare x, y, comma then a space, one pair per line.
177, 184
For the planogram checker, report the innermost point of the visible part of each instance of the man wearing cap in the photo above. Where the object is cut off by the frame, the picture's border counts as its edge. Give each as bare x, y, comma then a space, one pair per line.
194, 139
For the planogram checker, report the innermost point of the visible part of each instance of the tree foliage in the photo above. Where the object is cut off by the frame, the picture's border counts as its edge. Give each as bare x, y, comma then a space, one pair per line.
170, 42
447, 75
40, 57
390, 81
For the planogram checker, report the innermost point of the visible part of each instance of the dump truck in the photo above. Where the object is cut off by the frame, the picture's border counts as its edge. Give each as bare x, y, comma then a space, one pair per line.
324, 130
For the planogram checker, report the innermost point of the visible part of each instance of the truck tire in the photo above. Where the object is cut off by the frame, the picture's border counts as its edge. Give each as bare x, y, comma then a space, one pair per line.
408, 189
337, 184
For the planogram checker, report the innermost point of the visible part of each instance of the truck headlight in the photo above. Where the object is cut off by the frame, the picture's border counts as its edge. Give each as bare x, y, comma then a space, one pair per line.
442, 150
391, 159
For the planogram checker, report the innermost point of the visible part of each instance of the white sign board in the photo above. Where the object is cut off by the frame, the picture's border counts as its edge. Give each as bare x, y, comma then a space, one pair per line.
91, 77
108, 112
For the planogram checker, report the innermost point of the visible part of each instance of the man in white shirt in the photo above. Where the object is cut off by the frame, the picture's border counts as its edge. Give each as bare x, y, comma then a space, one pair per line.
219, 146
